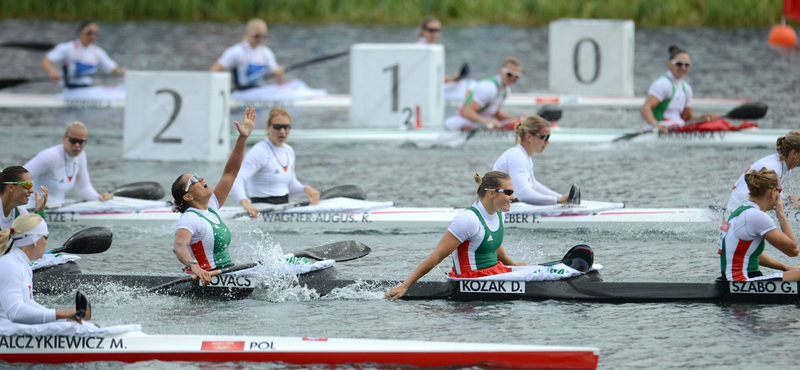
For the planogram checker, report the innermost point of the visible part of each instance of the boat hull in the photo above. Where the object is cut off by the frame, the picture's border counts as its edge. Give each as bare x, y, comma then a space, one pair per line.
136, 347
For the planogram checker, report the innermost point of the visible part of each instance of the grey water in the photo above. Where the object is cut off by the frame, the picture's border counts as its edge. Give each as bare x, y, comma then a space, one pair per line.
731, 63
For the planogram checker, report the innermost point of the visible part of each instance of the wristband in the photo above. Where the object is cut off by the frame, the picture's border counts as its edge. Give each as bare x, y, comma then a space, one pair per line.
41, 213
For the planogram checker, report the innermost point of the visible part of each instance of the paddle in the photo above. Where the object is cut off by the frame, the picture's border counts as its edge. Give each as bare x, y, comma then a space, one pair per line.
310, 62
82, 307
579, 257
11, 82
574, 196
753, 110
87, 241
341, 191
340, 252
147, 190
36, 46
550, 113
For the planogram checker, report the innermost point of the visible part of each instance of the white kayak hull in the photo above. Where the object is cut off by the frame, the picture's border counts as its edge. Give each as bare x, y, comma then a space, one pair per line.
342, 214
137, 346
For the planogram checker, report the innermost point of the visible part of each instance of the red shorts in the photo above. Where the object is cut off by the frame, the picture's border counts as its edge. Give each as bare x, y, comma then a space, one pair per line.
499, 268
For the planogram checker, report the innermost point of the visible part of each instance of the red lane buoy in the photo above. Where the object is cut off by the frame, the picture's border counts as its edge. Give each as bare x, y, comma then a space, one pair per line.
782, 35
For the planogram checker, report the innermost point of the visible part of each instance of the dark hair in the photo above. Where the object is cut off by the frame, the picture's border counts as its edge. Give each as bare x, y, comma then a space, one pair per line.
85, 23
758, 182
785, 144
178, 191
675, 50
11, 174
491, 180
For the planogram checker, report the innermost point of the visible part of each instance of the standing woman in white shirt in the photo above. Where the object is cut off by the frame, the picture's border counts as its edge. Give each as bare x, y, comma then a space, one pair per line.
268, 170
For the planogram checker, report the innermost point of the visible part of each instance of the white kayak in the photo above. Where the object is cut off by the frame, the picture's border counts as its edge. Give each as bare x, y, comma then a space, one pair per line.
340, 214
136, 347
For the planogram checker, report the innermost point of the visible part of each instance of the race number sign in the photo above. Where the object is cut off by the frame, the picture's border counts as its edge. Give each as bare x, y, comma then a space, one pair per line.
397, 85
591, 57
177, 116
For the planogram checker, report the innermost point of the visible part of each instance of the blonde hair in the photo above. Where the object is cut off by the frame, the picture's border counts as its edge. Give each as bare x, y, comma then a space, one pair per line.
21, 224
491, 180
253, 23
531, 125
758, 182
425, 22
785, 144
512, 60
75, 125
275, 112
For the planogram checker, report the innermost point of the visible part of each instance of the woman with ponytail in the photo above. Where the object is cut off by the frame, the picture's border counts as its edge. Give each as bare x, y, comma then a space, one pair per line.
782, 162
475, 237
742, 236
24, 242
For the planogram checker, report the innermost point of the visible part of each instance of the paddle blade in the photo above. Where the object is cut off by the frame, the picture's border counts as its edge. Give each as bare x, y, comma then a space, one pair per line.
344, 191
37, 46
147, 190
82, 306
464, 72
340, 251
550, 113
87, 241
754, 110
10, 82
579, 257
574, 196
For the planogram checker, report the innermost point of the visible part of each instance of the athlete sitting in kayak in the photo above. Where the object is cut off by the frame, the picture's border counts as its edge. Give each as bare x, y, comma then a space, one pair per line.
475, 237
201, 237
16, 188
268, 169
742, 236
250, 60
669, 98
24, 242
429, 32
79, 60
61, 167
532, 136
483, 104
782, 162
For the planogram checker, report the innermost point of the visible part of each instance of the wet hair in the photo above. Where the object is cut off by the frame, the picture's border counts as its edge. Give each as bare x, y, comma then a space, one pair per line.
785, 144
675, 50
179, 204
491, 180
86, 23
21, 224
425, 22
11, 174
758, 182
511, 60
275, 112
531, 125
75, 125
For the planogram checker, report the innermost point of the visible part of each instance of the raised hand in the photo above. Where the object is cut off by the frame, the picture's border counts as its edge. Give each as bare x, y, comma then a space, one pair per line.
246, 127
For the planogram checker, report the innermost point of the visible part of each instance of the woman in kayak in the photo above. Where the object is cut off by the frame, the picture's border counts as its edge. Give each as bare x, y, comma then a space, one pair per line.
250, 60
429, 32
268, 169
16, 188
24, 242
475, 237
742, 236
201, 237
669, 98
532, 136
782, 162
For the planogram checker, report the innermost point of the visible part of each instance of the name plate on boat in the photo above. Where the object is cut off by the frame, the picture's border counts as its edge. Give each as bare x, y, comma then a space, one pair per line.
231, 281
763, 287
491, 286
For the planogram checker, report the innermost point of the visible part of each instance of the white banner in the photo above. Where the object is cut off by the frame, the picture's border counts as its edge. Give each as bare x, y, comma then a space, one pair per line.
177, 116
591, 57
397, 85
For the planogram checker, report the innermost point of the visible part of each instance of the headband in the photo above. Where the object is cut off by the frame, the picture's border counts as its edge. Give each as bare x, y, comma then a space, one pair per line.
31, 236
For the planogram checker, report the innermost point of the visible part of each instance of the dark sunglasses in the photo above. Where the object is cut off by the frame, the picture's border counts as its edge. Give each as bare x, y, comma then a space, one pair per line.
45, 236
779, 189
90, 33
508, 192
282, 127
76, 141
680, 64
543, 137
432, 30
259, 35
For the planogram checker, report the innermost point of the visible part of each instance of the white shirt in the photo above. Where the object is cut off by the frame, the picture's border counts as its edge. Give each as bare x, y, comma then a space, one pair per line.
80, 62
489, 95
59, 172
197, 225
16, 292
268, 171
519, 165
249, 64
741, 194
466, 225
662, 88
7, 221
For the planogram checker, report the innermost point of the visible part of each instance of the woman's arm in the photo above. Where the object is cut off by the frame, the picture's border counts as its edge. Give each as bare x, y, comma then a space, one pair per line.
235, 160
446, 246
505, 259
181, 249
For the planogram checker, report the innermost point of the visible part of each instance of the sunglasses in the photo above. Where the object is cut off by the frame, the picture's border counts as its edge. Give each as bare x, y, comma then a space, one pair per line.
90, 32
259, 35
25, 184
45, 236
543, 137
779, 189
680, 64
76, 141
194, 179
282, 127
511, 74
508, 192
433, 30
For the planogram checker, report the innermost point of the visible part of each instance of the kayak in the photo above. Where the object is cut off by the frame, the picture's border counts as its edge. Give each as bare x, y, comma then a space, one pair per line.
343, 214
136, 346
